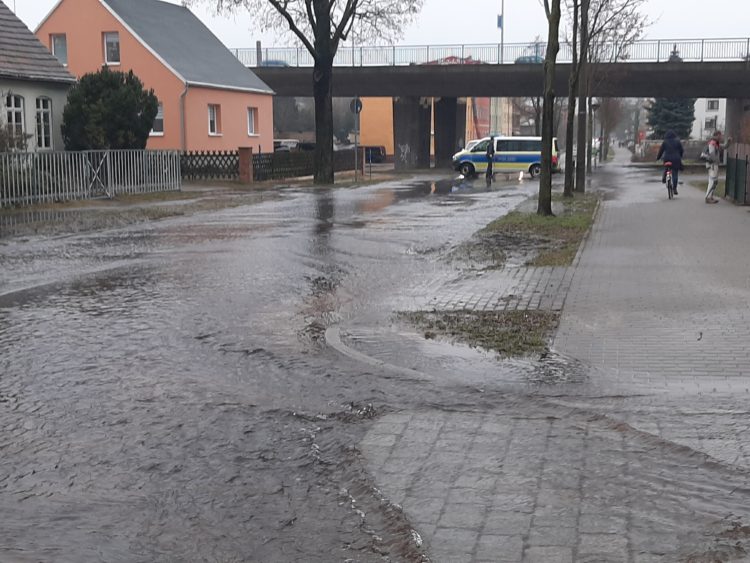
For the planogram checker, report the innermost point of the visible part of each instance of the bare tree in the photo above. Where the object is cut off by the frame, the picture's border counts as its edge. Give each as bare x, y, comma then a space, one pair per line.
321, 26
572, 90
552, 10
607, 29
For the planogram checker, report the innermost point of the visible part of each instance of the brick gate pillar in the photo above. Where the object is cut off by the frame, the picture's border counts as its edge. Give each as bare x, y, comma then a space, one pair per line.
246, 165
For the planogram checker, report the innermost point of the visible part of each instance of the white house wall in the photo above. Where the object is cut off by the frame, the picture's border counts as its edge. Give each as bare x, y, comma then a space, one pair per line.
30, 91
700, 132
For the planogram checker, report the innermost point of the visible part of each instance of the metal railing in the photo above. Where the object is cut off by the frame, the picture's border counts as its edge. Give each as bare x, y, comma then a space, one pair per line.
647, 50
43, 177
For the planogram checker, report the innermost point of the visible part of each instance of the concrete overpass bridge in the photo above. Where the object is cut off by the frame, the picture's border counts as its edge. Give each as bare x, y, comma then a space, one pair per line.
716, 68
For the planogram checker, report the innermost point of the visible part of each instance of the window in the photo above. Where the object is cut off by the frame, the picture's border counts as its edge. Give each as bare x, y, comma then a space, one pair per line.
481, 147
214, 119
60, 48
710, 124
15, 116
157, 130
252, 121
713, 105
44, 123
112, 48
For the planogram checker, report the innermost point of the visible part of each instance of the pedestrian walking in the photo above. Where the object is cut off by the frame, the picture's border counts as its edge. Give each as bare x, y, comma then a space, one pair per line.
671, 151
712, 156
490, 160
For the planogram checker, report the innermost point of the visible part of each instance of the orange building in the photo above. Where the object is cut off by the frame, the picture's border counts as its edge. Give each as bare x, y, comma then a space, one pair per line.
208, 100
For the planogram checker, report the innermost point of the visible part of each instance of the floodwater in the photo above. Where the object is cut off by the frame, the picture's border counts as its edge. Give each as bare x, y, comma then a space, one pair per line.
166, 393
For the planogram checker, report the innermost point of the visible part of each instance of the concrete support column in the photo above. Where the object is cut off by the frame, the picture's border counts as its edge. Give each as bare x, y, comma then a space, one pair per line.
411, 132
246, 165
447, 134
738, 120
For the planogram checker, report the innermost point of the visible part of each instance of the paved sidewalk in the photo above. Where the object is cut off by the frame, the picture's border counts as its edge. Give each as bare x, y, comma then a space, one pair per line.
649, 458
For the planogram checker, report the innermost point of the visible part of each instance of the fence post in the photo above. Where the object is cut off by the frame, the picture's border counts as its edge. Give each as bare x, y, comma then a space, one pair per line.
703, 43
658, 51
246, 165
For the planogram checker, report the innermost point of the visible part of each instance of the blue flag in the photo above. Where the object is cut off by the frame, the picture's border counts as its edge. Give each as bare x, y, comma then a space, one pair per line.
500, 21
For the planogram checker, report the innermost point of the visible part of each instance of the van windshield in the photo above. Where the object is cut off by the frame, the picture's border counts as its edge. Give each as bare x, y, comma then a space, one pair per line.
481, 147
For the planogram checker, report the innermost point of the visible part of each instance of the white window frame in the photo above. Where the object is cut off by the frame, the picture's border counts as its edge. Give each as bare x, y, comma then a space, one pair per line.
12, 113
711, 124
709, 103
41, 111
52, 38
252, 122
159, 115
214, 116
106, 35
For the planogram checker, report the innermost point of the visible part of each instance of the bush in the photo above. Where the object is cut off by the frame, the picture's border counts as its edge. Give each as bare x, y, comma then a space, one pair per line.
108, 110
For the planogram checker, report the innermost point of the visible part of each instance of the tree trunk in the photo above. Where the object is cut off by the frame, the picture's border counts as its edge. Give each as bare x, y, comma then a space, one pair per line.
548, 111
589, 137
322, 82
571, 117
582, 71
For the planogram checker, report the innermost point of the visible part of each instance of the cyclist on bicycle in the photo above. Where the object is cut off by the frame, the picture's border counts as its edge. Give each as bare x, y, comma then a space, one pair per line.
671, 151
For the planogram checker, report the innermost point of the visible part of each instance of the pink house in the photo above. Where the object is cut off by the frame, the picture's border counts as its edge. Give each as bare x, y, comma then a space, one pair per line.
208, 100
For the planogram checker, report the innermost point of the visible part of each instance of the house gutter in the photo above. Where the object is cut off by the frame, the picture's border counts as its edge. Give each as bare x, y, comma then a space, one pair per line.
183, 124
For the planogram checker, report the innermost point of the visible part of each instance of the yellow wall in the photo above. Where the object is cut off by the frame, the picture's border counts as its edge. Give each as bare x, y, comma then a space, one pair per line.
376, 123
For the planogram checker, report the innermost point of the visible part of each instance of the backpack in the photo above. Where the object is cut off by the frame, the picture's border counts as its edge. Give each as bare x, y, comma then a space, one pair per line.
706, 153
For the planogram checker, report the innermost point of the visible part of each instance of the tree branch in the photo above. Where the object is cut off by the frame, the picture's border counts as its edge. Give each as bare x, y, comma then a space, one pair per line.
283, 10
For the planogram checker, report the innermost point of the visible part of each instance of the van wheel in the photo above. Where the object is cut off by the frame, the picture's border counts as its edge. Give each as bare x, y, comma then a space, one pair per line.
467, 170
535, 170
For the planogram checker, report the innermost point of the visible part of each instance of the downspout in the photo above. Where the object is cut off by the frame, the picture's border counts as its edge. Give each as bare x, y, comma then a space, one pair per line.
183, 125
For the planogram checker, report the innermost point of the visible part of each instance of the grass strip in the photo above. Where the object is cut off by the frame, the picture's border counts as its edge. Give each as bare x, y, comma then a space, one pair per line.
512, 334
554, 239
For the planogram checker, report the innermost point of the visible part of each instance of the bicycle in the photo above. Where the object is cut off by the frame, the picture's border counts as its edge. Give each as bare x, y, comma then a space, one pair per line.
670, 180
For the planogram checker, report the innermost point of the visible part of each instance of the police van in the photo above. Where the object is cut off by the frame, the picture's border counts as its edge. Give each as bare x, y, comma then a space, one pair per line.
512, 154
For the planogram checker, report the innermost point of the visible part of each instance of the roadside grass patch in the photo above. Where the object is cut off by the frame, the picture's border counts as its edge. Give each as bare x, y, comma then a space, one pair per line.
549, 241
721, 189
511, 334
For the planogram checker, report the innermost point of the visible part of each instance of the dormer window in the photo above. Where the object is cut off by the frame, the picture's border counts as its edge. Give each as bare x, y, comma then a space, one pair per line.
60, 48
112, 48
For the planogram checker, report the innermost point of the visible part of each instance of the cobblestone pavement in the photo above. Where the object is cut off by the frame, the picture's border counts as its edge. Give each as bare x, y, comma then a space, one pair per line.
507, 290
646, 458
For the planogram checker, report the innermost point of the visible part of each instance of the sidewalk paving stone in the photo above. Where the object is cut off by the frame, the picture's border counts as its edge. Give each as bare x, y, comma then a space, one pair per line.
644, 458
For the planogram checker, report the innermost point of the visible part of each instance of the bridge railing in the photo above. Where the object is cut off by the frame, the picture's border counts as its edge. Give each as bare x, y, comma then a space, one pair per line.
647, 50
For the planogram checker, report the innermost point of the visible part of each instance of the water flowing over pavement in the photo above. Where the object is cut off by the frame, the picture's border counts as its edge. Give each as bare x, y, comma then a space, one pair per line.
232, 386
165, 391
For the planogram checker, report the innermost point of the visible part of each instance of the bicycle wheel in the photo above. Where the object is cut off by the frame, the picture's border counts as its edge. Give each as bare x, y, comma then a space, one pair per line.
670, 188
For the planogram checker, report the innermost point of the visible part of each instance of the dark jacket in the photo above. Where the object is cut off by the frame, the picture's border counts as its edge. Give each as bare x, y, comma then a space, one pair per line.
671, 150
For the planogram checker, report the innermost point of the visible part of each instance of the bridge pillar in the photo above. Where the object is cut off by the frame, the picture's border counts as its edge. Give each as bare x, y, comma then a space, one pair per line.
411, 132
450, 129
738, 120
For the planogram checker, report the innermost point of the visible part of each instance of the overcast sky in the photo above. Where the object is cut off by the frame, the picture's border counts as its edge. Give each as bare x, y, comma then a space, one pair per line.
442, 22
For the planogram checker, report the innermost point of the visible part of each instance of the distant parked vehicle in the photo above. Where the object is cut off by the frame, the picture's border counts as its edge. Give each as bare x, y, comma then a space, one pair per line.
530, 59
375, 154
273, 63
285, 145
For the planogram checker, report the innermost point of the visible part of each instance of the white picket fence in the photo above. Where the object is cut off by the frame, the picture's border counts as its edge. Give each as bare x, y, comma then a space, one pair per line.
42, 177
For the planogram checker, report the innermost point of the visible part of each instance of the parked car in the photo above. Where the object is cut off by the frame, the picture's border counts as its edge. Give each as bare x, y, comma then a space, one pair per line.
530, 59
273, 63
375, 154
285, 145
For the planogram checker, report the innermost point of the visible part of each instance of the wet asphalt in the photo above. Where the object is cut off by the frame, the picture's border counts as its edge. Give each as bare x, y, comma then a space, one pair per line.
166, 393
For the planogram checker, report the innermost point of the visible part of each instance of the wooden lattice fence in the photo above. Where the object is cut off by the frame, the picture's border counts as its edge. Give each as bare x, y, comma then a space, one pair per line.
210, 165
225, 165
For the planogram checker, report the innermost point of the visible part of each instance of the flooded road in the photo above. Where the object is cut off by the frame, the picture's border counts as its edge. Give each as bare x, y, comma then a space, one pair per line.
166, 393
